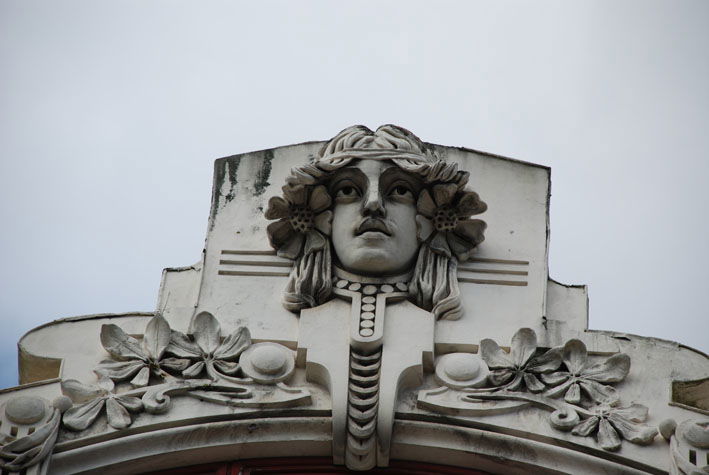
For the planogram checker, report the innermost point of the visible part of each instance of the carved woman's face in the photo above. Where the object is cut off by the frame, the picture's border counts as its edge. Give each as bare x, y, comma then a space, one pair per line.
374, 218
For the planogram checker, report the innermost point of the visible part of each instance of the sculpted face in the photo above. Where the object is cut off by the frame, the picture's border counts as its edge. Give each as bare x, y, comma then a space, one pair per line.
374, 218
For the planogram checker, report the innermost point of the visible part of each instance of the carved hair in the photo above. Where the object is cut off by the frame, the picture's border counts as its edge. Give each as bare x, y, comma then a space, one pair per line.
434, 283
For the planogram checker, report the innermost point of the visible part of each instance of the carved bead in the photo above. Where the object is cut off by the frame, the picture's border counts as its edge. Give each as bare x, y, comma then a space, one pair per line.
369, 290
386, 288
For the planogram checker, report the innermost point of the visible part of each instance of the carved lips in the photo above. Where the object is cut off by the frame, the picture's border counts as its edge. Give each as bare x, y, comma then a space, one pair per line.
373, 225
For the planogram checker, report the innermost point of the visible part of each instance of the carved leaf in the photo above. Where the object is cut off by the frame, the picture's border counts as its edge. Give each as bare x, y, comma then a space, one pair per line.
634, 432
557, 390
119, 370
142, 378
573, 395
532, 383
587, 427
80, 417
80, 392
612, 370
314, 241
549, 361
117, 415
227, 367
175, 364
493, 355
133, 404
600, 393
157, 337
554, 379
182, 347
234, 345
194, 370
634, 412
206, 332
498, 377
524, 344
119, 344
607, 436
575, 356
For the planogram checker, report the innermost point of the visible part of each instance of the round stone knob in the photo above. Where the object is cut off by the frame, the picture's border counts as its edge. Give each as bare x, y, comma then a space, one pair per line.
267, 362
25, 409
268, 359
461, 370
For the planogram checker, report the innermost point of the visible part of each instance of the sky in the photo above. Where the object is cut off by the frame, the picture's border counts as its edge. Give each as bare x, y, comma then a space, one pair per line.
112, 113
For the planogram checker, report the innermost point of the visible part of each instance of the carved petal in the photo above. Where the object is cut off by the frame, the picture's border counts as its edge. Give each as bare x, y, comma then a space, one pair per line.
314, 241
234, 344
80, 392
425, 204
545, 363
533, 384
142, 378
587, 427
157, 337
117, 415
600, 393
634, 432
575, 356
206, 332
634, 412
573, 395
323, 222
471, 230
119, 370
493, 355
226, 367
296, 194
133, 404
470, 204
279, 233
554, 379
612, 370
443, 194
319, 199
607, 436
181, 346
277, 208
119, 344
499, 377
80, 417
516, 384
194, 370
459, 246
292, 248
439, 243
557, 390
175, 364
524, 344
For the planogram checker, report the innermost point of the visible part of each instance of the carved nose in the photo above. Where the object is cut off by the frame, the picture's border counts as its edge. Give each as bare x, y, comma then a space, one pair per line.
373, 206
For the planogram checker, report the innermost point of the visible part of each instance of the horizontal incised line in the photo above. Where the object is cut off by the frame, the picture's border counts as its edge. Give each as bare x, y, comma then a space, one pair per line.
517, 283
254, 273
498, 261
250, 253
257, 263
493, 271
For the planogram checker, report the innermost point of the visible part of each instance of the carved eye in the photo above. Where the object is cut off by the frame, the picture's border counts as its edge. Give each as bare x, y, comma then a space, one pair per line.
401, 191
347, 192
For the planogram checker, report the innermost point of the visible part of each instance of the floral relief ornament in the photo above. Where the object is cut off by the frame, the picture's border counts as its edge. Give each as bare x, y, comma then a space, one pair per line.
303, 218
590, 406
154, 375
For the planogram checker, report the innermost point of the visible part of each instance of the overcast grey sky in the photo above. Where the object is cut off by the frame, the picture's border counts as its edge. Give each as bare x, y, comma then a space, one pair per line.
111, 114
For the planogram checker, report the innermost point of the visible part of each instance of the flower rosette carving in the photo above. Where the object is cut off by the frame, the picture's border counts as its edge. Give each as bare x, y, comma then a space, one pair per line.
303, 220
448, 209
136, 360
583, 377
611, 424
91, 400
521, 368
206, 351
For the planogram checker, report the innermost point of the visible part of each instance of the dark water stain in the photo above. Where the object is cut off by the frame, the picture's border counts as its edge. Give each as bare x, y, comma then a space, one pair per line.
263, 174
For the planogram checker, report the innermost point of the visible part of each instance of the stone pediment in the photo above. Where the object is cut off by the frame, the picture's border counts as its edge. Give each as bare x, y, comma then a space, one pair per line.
369, 298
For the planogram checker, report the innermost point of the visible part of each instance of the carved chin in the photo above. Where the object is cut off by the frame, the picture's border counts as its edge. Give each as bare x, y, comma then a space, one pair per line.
374, 259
